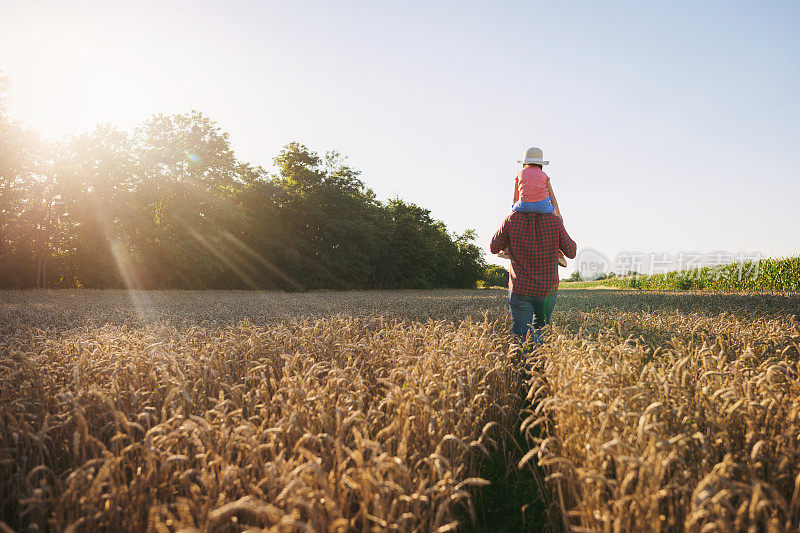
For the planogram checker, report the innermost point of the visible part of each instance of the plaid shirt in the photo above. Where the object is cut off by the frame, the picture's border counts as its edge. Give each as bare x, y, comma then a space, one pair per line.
532, 240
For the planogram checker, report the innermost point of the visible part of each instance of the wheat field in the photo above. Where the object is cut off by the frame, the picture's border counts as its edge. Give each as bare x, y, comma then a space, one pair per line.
375, 411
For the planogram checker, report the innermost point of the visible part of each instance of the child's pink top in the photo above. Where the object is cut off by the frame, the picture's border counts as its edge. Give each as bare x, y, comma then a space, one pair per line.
532, 184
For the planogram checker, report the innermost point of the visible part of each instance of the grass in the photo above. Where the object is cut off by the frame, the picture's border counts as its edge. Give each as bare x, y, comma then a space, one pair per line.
572, 285
515, 499
512, 501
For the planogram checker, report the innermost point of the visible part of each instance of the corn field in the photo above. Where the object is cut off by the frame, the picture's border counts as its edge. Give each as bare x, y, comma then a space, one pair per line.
374, 411
764, 275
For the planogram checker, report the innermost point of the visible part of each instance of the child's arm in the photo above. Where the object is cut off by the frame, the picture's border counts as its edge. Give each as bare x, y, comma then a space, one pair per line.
516, 190
553, 198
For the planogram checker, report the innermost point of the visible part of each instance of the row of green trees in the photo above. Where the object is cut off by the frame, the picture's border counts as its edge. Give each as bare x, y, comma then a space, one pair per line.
170, 206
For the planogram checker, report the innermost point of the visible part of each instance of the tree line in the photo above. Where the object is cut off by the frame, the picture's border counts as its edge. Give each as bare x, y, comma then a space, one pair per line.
169, 205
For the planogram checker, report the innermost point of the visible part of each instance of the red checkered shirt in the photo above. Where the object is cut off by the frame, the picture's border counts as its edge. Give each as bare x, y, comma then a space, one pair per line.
532, 240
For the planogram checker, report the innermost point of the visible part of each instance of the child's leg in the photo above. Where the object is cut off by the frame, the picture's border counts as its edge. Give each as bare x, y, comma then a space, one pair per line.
542, 206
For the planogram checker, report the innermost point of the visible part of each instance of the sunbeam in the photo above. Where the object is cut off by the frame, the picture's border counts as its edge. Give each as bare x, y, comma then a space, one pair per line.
133, 281
219, 254
261, 259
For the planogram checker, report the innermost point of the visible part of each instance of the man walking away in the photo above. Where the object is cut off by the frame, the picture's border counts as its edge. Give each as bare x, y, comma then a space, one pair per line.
532, 241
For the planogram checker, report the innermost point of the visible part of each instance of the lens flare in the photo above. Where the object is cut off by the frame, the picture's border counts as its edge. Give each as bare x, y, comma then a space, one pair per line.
194, 158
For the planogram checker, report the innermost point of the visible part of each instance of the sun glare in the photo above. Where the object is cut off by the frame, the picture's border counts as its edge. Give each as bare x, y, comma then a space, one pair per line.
86, 89
69, 81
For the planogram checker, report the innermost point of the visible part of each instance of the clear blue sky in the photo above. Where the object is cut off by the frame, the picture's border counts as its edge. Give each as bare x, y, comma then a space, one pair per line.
670, 126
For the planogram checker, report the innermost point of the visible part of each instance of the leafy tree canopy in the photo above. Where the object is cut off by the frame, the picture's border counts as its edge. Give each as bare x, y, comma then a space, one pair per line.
169, 205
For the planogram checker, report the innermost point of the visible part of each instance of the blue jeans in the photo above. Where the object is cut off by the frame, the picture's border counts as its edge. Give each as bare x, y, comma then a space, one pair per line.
530, 313
542, 206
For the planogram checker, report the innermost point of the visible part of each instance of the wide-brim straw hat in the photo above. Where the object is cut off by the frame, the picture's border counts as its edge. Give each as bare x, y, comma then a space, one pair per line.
533, 156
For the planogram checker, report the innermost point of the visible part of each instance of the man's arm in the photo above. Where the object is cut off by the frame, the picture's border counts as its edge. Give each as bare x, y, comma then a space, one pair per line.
565, 242
500, 240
